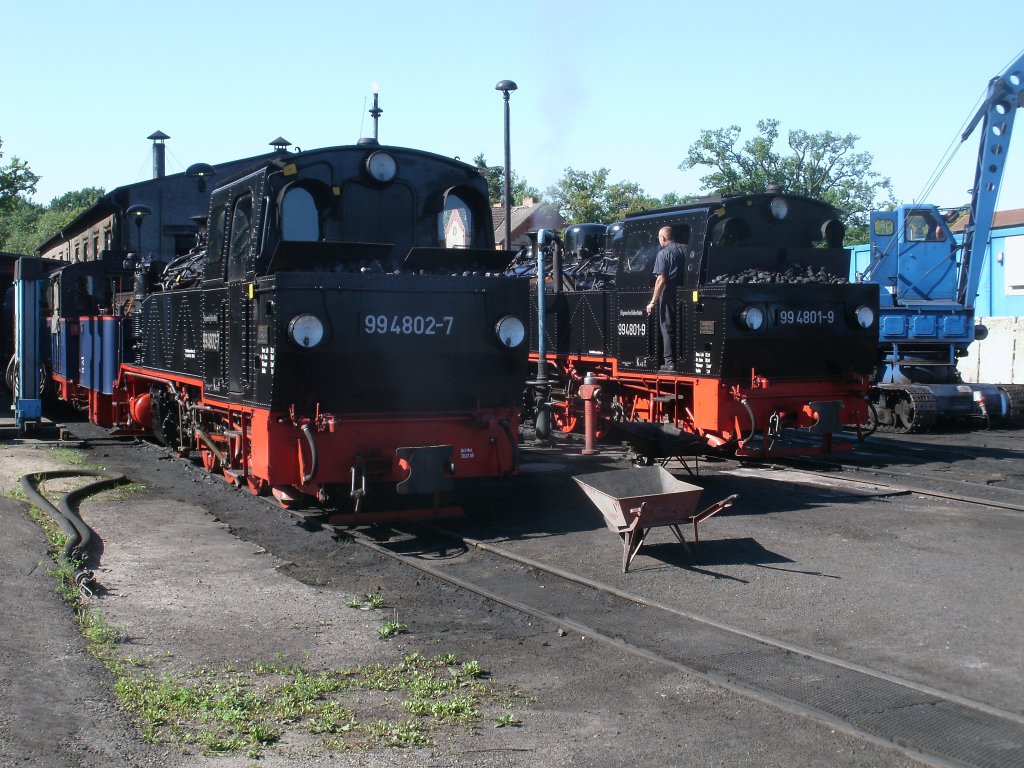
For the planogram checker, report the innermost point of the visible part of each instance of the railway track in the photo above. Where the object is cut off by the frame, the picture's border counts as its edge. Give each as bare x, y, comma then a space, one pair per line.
920, 721
986, 476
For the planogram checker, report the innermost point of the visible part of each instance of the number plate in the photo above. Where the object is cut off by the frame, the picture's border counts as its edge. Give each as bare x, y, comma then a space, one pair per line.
817, 316
406, 325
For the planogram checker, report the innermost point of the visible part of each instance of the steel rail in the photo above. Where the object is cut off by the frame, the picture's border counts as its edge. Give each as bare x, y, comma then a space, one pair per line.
724, 680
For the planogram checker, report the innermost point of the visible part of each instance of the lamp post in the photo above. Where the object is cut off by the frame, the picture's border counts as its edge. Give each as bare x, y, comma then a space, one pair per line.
506, 87
138, 212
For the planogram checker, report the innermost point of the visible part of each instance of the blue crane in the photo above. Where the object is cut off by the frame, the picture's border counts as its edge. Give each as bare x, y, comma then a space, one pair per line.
928, 283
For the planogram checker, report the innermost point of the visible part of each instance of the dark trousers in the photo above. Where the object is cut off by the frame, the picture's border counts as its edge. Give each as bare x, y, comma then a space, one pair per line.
667, 322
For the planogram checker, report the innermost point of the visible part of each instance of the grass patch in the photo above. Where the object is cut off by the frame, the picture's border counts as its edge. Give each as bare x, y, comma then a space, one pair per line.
17, 493
367, 602
250, 710
73, 456
391, 628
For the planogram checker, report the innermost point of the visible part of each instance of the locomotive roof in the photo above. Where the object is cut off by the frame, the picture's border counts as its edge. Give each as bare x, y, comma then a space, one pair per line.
727, 201
364, 145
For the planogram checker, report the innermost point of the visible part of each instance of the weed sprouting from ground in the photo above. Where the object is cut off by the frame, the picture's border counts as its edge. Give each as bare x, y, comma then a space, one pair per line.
249, 710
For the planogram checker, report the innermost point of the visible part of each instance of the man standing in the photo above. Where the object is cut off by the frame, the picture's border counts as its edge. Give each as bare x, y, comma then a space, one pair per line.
668, 267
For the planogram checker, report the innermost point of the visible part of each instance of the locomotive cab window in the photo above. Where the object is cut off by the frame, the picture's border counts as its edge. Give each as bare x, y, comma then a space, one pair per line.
455, 222
303, 207
638, 251
731, 231
215, 246
240, 238
300, 215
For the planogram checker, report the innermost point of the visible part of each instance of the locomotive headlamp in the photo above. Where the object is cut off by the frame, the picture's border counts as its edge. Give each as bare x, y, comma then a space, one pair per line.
511, 331
752, 318
305, 330
381, 166
865, 316
779, 208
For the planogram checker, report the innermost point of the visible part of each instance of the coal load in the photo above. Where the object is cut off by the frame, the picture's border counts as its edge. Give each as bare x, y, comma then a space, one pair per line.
795, 274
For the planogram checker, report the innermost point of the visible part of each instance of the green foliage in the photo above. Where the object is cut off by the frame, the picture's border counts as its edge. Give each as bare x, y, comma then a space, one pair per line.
24, 225
588, 197
391, 628
495, 175
366, 602
16, 179
821, 165
247, 712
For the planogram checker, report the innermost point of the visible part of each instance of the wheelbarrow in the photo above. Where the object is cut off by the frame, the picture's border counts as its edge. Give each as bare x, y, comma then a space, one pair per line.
632, 501
653, 441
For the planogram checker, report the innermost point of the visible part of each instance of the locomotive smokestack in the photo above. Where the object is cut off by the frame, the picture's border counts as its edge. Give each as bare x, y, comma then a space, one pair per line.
376, 112
159, 165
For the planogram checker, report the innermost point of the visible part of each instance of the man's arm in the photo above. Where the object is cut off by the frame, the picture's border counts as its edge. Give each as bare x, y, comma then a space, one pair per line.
659, 286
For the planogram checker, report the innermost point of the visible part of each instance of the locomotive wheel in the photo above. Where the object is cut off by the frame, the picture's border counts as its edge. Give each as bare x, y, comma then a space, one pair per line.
289, 497
257, 485
210, 461
564, 418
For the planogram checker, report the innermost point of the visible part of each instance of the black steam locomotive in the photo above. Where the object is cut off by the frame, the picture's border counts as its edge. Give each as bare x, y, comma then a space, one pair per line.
770, 333
346, 321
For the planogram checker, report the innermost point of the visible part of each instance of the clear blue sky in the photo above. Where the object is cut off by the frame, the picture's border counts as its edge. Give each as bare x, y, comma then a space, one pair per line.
626, 85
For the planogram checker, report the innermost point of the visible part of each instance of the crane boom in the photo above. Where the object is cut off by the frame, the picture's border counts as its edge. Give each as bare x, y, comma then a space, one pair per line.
1005, 95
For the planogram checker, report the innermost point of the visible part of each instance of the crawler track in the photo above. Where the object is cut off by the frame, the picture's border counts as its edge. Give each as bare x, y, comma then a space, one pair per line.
943, 728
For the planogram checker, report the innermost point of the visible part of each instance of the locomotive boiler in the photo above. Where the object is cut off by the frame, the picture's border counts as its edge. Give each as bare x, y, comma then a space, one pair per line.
771, 339
345, 324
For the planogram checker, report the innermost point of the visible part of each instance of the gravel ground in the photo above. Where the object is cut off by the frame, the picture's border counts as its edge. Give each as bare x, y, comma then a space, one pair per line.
197, 576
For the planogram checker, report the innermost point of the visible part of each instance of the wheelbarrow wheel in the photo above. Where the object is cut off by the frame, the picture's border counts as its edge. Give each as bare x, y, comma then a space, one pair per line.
642, 460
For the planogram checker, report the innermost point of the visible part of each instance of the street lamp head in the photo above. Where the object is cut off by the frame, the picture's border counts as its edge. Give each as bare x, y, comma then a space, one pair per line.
138, 212
506, 86
199, 173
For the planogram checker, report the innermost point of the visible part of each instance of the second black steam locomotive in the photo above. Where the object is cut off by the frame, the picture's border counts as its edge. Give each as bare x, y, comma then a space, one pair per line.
770, 335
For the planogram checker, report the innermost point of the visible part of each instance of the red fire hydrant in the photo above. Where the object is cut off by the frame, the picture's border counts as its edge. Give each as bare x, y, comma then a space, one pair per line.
588, 392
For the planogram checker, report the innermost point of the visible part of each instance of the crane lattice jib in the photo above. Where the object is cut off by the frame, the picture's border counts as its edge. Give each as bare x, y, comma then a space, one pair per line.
1005, 95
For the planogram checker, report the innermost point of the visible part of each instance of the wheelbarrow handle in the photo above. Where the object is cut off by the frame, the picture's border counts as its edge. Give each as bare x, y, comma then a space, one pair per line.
637, 512
714, 509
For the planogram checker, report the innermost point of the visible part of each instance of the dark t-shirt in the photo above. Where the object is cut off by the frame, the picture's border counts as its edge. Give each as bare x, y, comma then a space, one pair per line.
669, 263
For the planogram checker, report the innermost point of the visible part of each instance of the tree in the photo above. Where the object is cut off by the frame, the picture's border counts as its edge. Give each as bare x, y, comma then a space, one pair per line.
76, 202
822, 165
24, 224
16, 179
495, 175
587, 197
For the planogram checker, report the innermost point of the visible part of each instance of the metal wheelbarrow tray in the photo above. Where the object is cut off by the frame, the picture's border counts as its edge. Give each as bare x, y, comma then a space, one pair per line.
632, 501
